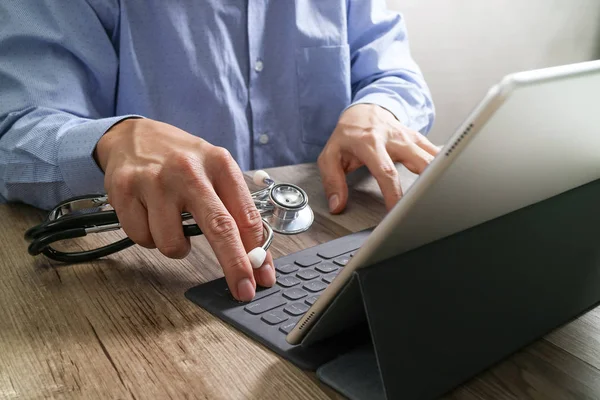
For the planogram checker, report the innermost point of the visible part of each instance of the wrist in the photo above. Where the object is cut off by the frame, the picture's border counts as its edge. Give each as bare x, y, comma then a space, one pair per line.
367, 115
368, 109
108, 140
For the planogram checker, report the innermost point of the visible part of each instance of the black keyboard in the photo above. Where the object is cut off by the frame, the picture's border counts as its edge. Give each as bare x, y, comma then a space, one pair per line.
274, 311
299, 283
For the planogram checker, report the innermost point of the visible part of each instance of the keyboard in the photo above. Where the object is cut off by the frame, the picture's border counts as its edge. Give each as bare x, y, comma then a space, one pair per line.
274, 311
298, 286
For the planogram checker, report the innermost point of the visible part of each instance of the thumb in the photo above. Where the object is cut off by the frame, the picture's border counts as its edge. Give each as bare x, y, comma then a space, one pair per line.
334, 182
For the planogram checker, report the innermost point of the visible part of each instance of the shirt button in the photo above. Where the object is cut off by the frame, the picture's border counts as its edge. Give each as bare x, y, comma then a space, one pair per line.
258, 66
263, 139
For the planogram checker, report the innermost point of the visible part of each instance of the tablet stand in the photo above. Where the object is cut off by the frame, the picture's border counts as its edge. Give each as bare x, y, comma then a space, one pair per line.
442, 313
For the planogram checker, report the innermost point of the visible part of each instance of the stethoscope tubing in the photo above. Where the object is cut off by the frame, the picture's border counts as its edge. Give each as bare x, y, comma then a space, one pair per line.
82, 221
62, 224
75, 226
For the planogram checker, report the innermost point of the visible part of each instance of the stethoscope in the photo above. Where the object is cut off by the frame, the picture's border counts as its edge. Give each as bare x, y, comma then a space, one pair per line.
283, 207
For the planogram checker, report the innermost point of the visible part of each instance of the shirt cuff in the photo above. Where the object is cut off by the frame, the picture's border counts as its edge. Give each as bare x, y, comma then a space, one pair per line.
79, 170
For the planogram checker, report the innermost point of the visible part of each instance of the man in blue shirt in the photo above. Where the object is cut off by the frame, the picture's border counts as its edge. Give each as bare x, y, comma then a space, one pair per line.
161, 104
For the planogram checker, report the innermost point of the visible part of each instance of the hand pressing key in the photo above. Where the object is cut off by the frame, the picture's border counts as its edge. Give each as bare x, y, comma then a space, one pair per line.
155, 171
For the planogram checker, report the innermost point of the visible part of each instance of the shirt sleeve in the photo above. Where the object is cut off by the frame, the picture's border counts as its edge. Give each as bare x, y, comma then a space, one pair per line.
58, 75
383, 70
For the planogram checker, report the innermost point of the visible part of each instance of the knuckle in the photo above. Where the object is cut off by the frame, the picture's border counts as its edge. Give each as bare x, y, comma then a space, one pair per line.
402, 137
420, 139
369, 137
224, 167
221, 156
192, 173
402, 142
185, 165
389, 171
153, 173
220, 224
236, 265
184, 162
249, 219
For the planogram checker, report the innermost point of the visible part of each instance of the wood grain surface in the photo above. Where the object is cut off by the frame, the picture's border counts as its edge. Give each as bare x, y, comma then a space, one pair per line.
120, 327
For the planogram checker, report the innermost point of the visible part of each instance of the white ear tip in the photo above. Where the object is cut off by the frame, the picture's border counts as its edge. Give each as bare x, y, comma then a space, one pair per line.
259, 177
257, 257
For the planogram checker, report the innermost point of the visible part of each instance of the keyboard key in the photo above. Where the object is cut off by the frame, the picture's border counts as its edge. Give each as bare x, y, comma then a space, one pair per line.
287, 268
311, 300
262, 292
296, 309
326, 267
334, 251
288, 281
288, 326
307, 261
266, 304
329, 278
275, 317
307, 274
343, 260
295, 293
315, 286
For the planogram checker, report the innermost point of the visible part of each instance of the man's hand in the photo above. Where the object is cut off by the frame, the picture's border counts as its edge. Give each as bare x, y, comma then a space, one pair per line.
154, 172
370, 135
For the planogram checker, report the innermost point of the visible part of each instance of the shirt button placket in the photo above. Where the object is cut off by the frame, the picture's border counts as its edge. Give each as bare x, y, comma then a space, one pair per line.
260, 133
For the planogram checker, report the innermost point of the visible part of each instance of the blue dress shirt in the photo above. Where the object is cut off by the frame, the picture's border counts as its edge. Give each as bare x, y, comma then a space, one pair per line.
266, 79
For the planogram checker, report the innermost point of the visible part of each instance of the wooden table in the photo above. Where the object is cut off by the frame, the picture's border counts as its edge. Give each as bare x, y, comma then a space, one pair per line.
121, 328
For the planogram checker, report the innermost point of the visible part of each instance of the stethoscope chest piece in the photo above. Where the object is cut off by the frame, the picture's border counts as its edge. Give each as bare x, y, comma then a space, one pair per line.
290, 214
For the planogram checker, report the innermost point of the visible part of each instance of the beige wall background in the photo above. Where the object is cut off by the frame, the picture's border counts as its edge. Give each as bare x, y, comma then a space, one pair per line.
465, 46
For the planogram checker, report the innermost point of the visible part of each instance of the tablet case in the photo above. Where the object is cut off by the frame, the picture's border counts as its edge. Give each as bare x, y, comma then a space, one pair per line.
442, 313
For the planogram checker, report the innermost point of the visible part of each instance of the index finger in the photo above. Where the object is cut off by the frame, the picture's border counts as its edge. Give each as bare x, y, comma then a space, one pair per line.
233, 192
222, 233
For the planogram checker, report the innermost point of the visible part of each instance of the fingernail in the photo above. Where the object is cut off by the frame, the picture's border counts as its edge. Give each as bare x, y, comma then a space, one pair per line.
267, 275
245, 290
334, 201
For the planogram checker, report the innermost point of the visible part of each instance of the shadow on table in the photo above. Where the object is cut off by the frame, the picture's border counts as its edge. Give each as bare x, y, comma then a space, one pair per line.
284, 380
